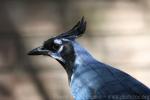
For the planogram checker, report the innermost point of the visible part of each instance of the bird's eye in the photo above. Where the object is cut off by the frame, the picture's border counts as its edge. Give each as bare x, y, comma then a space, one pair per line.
55, 47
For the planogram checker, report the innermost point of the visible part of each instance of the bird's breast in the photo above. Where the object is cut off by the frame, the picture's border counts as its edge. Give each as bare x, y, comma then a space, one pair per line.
85, 82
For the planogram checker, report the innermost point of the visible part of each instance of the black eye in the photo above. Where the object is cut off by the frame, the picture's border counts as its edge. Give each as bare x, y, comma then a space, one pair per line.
55, 47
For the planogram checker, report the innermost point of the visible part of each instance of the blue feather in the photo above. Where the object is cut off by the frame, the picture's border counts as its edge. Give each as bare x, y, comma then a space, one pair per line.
93, 80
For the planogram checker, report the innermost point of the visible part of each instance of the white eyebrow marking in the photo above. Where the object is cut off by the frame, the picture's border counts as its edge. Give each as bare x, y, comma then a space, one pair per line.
57, 41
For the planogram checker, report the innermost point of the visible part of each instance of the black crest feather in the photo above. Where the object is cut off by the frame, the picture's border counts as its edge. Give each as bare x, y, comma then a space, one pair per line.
76, 31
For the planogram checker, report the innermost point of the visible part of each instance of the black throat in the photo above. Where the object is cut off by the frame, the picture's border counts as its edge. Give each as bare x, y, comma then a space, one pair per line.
69, 57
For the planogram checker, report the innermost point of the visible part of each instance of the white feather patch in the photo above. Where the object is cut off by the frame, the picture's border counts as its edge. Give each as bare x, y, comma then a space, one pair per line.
57, 41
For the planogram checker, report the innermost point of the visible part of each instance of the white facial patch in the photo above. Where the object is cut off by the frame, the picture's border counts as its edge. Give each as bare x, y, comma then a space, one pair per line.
56, 56
57, 41
60, 49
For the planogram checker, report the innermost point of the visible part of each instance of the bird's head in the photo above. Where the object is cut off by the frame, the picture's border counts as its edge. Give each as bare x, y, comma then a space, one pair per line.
61, 47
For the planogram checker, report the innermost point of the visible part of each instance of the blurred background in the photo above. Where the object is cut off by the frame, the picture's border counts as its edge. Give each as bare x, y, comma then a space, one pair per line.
118, 33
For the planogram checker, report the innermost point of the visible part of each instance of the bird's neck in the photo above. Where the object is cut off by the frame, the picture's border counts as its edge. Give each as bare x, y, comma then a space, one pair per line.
82, 55
68, 68
82, 58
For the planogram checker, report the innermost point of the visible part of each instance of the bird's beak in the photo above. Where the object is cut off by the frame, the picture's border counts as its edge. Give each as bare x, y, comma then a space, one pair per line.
38, 51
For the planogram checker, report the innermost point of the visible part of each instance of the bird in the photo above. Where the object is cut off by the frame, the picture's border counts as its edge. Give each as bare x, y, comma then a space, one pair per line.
90, 79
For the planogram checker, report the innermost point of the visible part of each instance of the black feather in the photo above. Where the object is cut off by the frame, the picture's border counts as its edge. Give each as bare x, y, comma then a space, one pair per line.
76, 31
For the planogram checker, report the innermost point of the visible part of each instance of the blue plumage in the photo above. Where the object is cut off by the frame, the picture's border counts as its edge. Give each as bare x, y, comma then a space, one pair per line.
95, 80
90, 79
